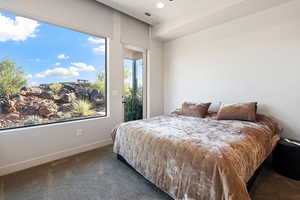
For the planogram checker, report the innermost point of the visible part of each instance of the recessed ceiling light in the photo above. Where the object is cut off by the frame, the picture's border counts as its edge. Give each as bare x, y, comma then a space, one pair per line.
160, 5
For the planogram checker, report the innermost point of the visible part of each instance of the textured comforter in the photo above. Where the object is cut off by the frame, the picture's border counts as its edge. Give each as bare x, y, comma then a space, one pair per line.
197, 158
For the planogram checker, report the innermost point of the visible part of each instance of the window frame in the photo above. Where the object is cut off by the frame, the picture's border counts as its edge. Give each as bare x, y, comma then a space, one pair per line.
77, 119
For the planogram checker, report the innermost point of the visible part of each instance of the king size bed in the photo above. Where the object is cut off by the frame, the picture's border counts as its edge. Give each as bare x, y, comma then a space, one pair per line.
197, 158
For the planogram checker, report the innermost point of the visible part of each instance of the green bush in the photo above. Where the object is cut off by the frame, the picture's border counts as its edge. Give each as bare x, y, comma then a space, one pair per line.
100, 83
82, 108
127, 87
133, 108
99, 86
12, 78
33, 119
67, 116
56, 87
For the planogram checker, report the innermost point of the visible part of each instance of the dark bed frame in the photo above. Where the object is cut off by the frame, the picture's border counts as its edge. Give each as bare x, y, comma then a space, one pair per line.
249, 183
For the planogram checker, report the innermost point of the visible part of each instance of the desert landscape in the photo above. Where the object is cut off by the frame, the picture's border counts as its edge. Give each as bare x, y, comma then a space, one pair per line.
23, 105
50, 103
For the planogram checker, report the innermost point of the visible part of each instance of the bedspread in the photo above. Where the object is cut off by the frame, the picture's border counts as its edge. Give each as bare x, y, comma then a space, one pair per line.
197, 158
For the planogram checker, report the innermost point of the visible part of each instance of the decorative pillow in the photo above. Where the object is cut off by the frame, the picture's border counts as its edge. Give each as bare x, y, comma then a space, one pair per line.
214, 107
240, 111
195, 109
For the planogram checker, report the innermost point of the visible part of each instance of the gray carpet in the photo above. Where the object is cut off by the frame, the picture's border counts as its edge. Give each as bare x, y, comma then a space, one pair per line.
98, 175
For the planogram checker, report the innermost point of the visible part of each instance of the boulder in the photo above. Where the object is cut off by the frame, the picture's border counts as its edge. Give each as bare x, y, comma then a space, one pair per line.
68, 98
8, 106
82, 93
24, 89
68, 88
47, 109
17, 97
47, 95
2, 117
13, 116
99, 102
56, 98
94, 95
24, 93
30, 109
67, 107
60, 114
3, 123
35, 91
1, 107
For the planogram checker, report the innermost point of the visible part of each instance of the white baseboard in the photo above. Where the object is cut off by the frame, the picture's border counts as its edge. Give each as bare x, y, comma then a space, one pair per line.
11, 168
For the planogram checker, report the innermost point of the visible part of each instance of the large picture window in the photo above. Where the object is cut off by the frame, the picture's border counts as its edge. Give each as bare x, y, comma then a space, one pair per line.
49, 74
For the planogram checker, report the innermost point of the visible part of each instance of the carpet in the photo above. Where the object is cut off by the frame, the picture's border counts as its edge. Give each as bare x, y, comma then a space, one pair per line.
99, 175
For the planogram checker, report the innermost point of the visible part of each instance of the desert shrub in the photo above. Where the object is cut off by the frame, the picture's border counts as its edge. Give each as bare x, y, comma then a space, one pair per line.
133, 108
56, 87
12, 78
99, 86
67, 116
127, 87
82, 108
133, 99
33, 119
100, 83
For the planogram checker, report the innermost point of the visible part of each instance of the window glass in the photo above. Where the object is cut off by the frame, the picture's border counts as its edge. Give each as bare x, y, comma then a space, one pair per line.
49, 74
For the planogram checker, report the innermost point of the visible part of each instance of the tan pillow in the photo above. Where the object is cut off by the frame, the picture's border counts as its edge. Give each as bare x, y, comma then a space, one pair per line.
240, 111
195, 109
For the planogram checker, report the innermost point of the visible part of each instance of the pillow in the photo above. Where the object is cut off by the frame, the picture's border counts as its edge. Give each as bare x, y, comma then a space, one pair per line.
214, 107
177, 112
240, 111
195, 109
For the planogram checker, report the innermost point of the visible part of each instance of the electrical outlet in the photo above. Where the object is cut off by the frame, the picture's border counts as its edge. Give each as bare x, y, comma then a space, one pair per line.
79, 132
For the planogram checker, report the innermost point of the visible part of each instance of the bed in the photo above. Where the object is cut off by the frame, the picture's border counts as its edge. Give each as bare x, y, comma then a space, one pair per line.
197, 158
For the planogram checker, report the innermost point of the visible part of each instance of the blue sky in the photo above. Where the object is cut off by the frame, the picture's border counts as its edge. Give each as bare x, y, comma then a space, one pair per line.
48, 53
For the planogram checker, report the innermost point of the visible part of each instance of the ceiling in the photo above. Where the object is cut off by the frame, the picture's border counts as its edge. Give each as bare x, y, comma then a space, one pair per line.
181, 17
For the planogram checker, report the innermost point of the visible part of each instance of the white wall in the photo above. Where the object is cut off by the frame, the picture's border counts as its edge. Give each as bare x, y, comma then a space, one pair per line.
255, 58
156, 79
23, 148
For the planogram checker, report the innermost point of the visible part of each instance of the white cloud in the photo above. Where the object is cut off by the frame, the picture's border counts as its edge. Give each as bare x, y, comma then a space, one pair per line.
33, 83
59, 72
80, 66
71, 71
100, 42
96, 40
37, 60
57, 64
63, 56
99, 50
28, 76
17, 29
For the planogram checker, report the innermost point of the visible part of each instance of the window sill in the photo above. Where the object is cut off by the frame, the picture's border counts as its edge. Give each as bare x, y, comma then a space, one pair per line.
53, 124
